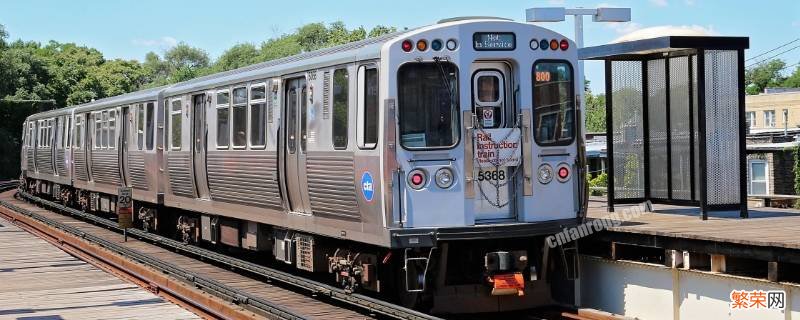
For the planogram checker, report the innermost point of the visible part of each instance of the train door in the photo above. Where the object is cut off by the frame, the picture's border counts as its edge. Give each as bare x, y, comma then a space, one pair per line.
296, 102
495, 117
199, 135
124, 137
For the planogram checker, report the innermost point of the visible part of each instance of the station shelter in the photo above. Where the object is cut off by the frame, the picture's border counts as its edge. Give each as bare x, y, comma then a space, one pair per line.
675, 121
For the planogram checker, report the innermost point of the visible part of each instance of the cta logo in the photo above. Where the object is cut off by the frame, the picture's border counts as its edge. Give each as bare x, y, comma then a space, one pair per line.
367, 186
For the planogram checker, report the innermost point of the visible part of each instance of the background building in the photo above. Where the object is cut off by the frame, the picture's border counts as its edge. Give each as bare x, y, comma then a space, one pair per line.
774, 109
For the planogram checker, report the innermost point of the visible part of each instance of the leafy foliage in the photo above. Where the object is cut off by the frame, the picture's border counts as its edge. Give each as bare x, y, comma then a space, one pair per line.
36, 77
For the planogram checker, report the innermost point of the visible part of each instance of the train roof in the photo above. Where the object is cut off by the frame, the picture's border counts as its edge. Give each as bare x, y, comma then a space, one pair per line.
346, 53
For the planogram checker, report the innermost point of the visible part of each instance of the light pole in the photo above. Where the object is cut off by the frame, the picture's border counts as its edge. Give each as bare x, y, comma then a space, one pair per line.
557, 14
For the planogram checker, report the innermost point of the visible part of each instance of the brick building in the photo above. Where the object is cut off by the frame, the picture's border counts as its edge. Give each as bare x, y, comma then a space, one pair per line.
770, 162
776, 108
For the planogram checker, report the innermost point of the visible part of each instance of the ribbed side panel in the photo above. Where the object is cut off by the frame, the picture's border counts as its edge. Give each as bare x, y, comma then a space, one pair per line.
137, 172
331, 187
44, 162
80, 165
31, 159
244, 177
61, 165
105, 167
180, 174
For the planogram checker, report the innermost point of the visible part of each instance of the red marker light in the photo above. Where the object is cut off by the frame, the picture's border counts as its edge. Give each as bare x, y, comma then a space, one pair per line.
563, 172
554, 44
564, 45
417, 179
407, 45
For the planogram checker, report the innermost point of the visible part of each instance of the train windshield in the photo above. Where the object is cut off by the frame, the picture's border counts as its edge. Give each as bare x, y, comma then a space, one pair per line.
553, 102
428, 105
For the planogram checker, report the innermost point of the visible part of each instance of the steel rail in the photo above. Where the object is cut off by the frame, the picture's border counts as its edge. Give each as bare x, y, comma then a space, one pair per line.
211, 286
358, 300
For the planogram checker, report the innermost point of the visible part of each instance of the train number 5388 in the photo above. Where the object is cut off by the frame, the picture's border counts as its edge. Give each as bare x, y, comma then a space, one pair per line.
491, 175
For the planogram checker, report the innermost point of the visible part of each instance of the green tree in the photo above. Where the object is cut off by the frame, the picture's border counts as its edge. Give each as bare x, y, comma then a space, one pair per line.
283, 46
312, 36
380, 30
240, 55
112, 78
764, 75
793, 81
595, 112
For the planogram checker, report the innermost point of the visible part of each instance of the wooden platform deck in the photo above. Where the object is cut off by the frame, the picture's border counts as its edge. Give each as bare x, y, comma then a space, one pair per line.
39, 281
768, 227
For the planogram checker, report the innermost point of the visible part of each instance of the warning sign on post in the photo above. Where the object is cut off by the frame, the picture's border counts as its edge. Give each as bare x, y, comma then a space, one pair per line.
125, 207
497, 147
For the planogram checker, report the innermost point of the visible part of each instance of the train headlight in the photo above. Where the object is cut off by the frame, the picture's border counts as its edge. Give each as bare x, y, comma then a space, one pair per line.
452, 44
545, 174
444, 178
417, 179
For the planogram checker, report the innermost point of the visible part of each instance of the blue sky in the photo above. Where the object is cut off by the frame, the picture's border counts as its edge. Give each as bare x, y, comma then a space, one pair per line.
129, 29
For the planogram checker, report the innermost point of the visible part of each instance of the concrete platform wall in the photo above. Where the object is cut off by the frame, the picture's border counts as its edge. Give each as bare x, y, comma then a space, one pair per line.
648, 291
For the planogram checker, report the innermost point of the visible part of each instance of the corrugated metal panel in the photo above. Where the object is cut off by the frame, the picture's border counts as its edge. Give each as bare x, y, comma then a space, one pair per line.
31, 159
61, 163
44, 161
244, 177
105, 166
80, 165
137, 170
180, 173
331, 187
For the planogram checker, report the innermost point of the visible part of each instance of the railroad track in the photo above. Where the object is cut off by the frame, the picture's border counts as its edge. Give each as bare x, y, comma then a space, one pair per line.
303, 294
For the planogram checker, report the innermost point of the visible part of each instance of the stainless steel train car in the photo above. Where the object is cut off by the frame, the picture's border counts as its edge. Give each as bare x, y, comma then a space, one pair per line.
428, 164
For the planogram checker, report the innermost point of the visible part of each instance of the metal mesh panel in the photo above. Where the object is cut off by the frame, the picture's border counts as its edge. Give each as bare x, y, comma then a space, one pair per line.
657, 124
679, 128
626, 87
695, 117
722, 126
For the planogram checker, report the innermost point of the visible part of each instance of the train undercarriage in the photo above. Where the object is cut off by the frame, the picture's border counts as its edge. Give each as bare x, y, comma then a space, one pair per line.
464, 276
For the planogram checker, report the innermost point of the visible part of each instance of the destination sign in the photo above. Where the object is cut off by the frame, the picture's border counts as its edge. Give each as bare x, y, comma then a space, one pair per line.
488, 41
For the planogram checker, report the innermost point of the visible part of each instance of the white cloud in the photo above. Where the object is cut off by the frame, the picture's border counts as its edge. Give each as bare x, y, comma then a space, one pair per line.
623, 27
660, 3
660, 31
689, 2
796, 23
165, 41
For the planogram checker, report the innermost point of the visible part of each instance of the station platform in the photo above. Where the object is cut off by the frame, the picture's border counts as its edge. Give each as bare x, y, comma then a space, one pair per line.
765, 227
40, 281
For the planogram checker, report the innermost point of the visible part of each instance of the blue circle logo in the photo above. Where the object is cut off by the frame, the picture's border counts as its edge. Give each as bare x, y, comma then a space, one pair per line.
367, 187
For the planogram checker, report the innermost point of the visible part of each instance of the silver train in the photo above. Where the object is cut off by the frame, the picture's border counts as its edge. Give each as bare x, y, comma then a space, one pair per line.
428, 164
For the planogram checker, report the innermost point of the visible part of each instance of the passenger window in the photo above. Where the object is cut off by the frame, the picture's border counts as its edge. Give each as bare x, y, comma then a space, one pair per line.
140, 127
78, 136
112, 128
67, 132
98, 129
553, 103
291, 121
303, 118
340, 108
223, 120
258, 116
239, 115
150, 125
104, 143
489, 98
176, 113
368, 107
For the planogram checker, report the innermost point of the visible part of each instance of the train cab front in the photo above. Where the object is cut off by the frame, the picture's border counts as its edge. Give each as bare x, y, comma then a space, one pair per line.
484, 162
